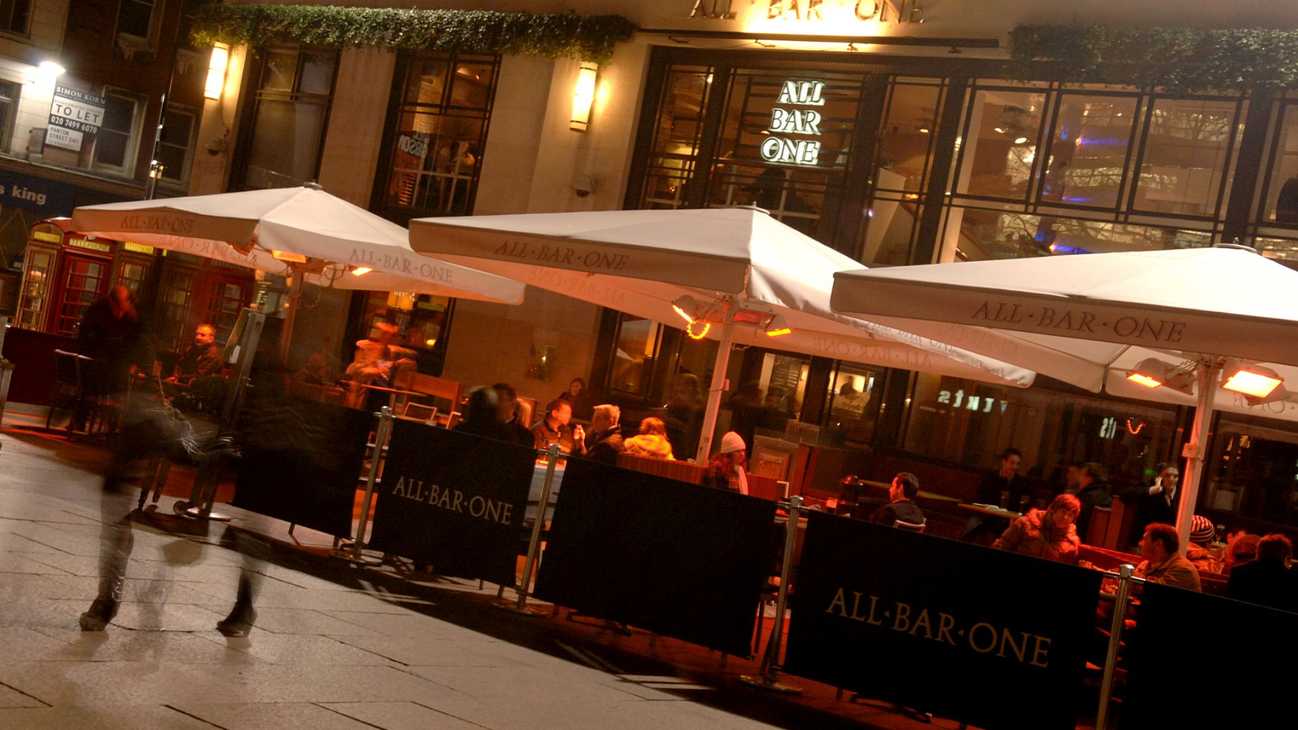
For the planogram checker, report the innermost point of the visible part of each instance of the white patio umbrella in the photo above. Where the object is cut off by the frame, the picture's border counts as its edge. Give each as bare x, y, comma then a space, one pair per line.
735, 275
304, 229
1194, 326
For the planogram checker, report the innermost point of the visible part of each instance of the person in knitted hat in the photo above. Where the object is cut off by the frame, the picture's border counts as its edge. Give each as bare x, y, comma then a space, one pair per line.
1202, 550
726, 471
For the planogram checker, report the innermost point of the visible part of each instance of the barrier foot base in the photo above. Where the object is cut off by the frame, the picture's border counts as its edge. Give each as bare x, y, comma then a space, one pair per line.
195, 513
769, 684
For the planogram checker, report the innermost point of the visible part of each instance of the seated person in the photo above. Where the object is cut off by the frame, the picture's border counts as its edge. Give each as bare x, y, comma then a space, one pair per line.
200, 360
372, 363
1241, 548
1267, 581
507, 413
652, 440
1050, 533
726, 470
1164, 563
1202, 552
605, 440
901, 506
557, 428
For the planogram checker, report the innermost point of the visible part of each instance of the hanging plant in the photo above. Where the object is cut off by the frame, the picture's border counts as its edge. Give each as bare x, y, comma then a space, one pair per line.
1178, 59
553, 35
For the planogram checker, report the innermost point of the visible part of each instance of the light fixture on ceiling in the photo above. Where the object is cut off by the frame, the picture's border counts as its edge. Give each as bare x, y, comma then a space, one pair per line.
1020, 140
1154, 373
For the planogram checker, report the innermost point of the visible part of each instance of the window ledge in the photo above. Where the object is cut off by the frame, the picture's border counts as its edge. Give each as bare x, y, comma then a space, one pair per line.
89, 174
135, 48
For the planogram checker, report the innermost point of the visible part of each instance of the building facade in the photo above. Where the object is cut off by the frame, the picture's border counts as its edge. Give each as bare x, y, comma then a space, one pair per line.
909, 136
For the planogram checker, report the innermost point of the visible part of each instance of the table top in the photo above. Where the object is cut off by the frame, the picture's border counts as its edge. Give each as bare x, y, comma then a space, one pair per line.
990, 511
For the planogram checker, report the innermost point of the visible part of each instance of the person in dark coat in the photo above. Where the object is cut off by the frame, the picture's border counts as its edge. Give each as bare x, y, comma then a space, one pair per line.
1266, 581
513, 431
1155, 502
1093, 492
901, 506
482, 416
111, 333
579, 396
604, 443
1005, 481
201, 359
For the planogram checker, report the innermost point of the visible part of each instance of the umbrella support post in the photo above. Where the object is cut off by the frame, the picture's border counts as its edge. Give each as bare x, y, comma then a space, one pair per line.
534, 540
382, 435
1115, 640
715, 390
768, 680
295, 283
1196, 451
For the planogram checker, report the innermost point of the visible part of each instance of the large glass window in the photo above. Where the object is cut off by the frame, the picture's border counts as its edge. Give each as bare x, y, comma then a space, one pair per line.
678, 135
116, 141
435, 151
9, 94
1088, 150
176, 146
1280, 194
288, 117
135, 17
971, 423
1189, 149
1253, 474
1000, 155
855, 392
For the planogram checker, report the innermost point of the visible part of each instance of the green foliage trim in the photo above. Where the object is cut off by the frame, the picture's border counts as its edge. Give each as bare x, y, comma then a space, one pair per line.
1181, 59
553, 35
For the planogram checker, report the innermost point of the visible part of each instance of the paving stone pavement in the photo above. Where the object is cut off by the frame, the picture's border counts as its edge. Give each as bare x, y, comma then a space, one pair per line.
323, 656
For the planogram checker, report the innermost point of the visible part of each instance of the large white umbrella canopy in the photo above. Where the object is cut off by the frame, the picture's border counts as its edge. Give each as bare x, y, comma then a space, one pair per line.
254, 227
1102, 315
729, 260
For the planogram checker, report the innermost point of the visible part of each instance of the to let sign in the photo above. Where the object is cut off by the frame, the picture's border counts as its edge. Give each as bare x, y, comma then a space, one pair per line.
73, 115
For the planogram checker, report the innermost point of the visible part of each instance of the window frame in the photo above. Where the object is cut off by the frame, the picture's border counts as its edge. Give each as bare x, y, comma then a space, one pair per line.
8, 117
253, 81
26, 30
194, 120
154, 6
399, 106
131, 156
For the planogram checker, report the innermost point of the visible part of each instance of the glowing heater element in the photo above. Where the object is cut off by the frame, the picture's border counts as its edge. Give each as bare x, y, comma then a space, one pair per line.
1145, 380
216, 66
361, 270
1251, 380
583, 96
289, 256
777, 327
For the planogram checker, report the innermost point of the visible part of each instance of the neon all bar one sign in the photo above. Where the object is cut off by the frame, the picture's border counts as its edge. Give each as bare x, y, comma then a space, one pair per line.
794, 117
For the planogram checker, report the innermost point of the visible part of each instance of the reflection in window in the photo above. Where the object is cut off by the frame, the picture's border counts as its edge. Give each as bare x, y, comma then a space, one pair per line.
677, 135
991, 234
1282, 194
1253, 473
971, 423
854, 396
288, 121
1088, 150
906, 137
998, 158
436, 153
633, 358
1188, 147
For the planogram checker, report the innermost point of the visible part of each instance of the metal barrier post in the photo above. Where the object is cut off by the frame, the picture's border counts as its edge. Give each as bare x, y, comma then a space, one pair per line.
534, 541
381, 436
1115, 637
770, 674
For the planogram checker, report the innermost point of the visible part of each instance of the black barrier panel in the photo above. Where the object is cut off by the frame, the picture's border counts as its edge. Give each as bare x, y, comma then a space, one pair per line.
674, 558
453, 500
1202, 661
301, 462
980, 635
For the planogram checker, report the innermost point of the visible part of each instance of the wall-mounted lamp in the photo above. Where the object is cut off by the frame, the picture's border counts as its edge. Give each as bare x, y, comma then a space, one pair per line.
583, 96
216, 66
47, 73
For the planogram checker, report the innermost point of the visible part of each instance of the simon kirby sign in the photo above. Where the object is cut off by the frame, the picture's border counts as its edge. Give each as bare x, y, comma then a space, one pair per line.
795, 114
453, 500
943, 626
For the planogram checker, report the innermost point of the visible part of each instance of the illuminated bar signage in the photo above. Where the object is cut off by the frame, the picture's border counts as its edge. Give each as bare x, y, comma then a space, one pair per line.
789, 119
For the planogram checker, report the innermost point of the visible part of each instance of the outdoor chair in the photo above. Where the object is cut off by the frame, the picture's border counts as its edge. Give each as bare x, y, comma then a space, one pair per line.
68, 392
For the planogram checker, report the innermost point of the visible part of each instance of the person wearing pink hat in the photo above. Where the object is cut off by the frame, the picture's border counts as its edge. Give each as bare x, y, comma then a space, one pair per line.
726, 471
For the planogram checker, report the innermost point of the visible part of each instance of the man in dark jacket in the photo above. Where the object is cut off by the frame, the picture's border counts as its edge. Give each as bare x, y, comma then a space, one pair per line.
1094, 492
1006, 482
1156, 502
201, 359
604, 443
901, 506
1266, 581
507, 413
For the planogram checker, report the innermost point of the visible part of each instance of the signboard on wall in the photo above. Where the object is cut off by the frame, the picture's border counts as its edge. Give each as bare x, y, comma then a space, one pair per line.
74, 115
36, 194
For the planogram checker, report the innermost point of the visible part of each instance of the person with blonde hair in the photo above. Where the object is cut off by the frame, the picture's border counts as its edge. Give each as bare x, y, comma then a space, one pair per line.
605, 440
1049, 533
652, 440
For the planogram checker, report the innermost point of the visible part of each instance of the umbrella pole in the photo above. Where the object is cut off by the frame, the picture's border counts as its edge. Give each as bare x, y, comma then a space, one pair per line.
296, 278
718, 387
1197, 452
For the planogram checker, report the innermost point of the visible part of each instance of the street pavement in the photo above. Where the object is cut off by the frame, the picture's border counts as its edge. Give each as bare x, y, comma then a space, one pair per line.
334, 647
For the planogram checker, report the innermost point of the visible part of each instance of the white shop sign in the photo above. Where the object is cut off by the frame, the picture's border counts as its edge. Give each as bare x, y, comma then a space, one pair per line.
67, 139
804, 122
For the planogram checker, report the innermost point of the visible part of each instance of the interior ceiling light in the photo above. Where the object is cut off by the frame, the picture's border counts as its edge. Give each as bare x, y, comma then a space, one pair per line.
1250, 379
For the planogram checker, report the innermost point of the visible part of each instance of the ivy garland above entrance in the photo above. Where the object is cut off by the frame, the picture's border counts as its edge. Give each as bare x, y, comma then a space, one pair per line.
553, 35
1180, 59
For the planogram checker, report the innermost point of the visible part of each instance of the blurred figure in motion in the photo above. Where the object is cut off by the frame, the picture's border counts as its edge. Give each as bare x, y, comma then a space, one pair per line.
151, 428
111, 334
